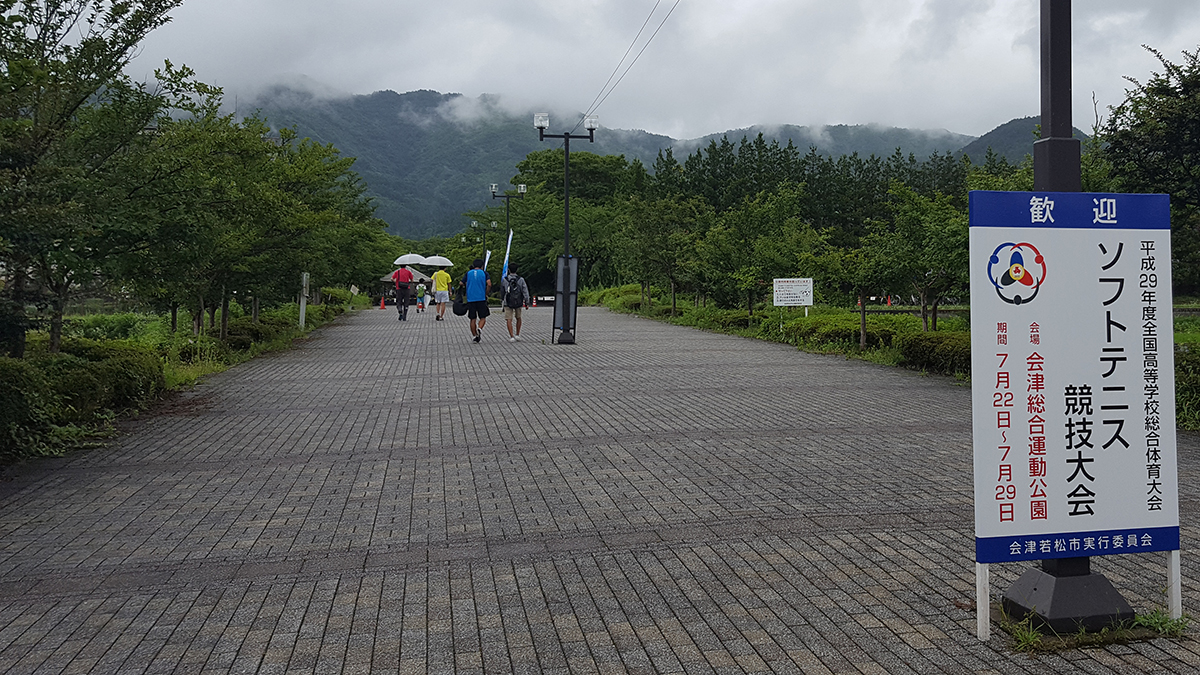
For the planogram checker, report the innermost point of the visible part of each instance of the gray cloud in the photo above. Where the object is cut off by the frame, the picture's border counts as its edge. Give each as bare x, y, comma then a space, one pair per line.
962, 65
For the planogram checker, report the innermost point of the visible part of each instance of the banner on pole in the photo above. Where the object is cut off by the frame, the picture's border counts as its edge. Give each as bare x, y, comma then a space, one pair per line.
507, 250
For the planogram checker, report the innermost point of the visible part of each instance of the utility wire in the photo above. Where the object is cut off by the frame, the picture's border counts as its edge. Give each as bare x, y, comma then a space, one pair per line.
623, 56
602, 96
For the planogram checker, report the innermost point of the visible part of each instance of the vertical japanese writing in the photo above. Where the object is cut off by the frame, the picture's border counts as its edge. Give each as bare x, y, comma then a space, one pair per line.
1078, 404
1148, 284
1035, 378
1002, 402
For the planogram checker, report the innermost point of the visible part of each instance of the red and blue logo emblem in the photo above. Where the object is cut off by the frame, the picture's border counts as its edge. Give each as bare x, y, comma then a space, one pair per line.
1017, 271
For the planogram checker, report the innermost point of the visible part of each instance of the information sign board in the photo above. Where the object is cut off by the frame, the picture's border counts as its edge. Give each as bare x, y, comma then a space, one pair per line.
1072, 368
793, 292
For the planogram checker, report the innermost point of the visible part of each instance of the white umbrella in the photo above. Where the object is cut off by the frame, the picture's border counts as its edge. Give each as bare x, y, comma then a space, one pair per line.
438, 261
410, 259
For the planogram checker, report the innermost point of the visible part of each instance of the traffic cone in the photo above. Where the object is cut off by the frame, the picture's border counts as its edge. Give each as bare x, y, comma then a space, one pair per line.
381, 303
535, 301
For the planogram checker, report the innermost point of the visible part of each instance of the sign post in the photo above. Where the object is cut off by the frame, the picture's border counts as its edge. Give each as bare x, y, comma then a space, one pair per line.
1073, 400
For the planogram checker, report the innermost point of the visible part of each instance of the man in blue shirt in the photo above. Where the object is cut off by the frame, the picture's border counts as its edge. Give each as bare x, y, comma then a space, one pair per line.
478, 284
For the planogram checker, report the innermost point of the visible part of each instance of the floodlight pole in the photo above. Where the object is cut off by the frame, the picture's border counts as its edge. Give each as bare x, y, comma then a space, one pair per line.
542, 122
1063, 594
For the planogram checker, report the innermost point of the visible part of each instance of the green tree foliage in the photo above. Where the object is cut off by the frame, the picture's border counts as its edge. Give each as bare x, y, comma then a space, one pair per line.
929, 247
66, 110
148, 189
1154, 146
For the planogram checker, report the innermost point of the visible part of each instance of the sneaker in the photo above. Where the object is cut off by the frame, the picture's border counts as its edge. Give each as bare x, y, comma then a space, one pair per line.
517, 338
477, 337
512, 339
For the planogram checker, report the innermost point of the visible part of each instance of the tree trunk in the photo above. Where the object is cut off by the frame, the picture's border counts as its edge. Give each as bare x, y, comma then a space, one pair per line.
56, 324
935, 307
14, 323
212, 317
862, 321
198, 318
224, 314
925, 309
750, 302
672, 297
174, 317
254, 310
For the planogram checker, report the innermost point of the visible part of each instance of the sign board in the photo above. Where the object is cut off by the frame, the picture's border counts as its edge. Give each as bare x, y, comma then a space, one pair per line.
793, 292
1073, 380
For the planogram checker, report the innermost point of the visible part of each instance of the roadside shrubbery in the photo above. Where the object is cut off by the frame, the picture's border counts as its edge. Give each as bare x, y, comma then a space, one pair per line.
1187, 386
44, 396
114, 363
940, 352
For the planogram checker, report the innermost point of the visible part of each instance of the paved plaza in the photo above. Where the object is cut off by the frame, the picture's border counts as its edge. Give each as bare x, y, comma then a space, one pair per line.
389, 497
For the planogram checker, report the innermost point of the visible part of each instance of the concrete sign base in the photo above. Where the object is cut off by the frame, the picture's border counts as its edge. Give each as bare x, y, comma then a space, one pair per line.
1066, 603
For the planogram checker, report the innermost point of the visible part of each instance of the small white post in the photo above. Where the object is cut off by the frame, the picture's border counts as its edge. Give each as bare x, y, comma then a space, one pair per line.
983, 603
303, 297
1174, 585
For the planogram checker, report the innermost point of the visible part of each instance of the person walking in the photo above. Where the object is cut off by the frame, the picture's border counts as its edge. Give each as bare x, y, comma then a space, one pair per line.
403, 278
421, 297
441, 292
516, 298
478, 286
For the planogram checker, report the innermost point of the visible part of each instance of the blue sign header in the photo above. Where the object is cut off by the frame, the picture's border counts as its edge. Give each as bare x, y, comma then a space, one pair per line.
1075, 210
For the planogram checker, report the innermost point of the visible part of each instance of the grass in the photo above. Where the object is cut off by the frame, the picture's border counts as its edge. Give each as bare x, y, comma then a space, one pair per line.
1028, 638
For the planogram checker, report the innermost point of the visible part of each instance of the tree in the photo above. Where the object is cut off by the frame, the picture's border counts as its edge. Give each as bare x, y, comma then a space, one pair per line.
657, 239
1154, 145
57, 58
929, 246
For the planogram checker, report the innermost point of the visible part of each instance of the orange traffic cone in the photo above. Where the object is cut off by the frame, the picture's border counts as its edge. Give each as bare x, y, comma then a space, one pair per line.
535, 301
381, 304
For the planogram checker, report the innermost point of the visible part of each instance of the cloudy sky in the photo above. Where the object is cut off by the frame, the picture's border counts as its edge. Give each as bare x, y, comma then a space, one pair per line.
962, 65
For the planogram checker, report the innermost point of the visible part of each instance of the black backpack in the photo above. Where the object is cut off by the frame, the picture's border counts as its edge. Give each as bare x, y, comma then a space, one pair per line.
514, 297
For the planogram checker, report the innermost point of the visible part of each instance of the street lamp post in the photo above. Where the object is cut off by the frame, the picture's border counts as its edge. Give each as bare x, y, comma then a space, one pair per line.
496, 195
566, 292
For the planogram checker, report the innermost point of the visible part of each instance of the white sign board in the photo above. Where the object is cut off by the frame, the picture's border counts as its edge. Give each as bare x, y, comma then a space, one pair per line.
793, 292
1072, 369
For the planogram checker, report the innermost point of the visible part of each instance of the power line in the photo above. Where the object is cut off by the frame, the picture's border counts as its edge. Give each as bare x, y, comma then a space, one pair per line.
596, 106
631, 45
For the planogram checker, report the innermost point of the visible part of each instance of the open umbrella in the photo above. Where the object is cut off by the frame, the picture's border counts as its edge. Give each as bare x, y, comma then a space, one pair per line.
438, 261
410, 259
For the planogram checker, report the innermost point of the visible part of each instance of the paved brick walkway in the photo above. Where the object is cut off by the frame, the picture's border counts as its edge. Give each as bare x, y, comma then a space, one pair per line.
392, 498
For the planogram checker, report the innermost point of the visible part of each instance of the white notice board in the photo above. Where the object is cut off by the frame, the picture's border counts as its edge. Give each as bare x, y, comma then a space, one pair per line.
793, 292
1072, 375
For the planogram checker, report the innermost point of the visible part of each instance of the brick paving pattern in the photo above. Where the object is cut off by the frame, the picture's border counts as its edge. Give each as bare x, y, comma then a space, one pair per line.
390, 497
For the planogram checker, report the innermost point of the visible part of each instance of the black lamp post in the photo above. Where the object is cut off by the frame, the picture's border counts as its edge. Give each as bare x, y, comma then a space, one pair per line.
1064, 593
566, 291
496, 195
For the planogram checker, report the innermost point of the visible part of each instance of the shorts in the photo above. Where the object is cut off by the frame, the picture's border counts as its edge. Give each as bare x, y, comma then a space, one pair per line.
512, 312
441, 297
478, 310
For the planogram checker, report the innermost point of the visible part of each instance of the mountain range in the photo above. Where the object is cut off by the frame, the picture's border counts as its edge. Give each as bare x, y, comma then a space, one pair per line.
428, 157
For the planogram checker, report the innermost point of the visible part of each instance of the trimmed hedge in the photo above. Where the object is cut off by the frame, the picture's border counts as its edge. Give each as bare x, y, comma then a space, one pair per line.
24, 410
1187, 387
882, 330
78, 386
941, 352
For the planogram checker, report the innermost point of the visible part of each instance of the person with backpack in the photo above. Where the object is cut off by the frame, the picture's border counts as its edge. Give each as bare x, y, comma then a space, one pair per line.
421, 297
516, 298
